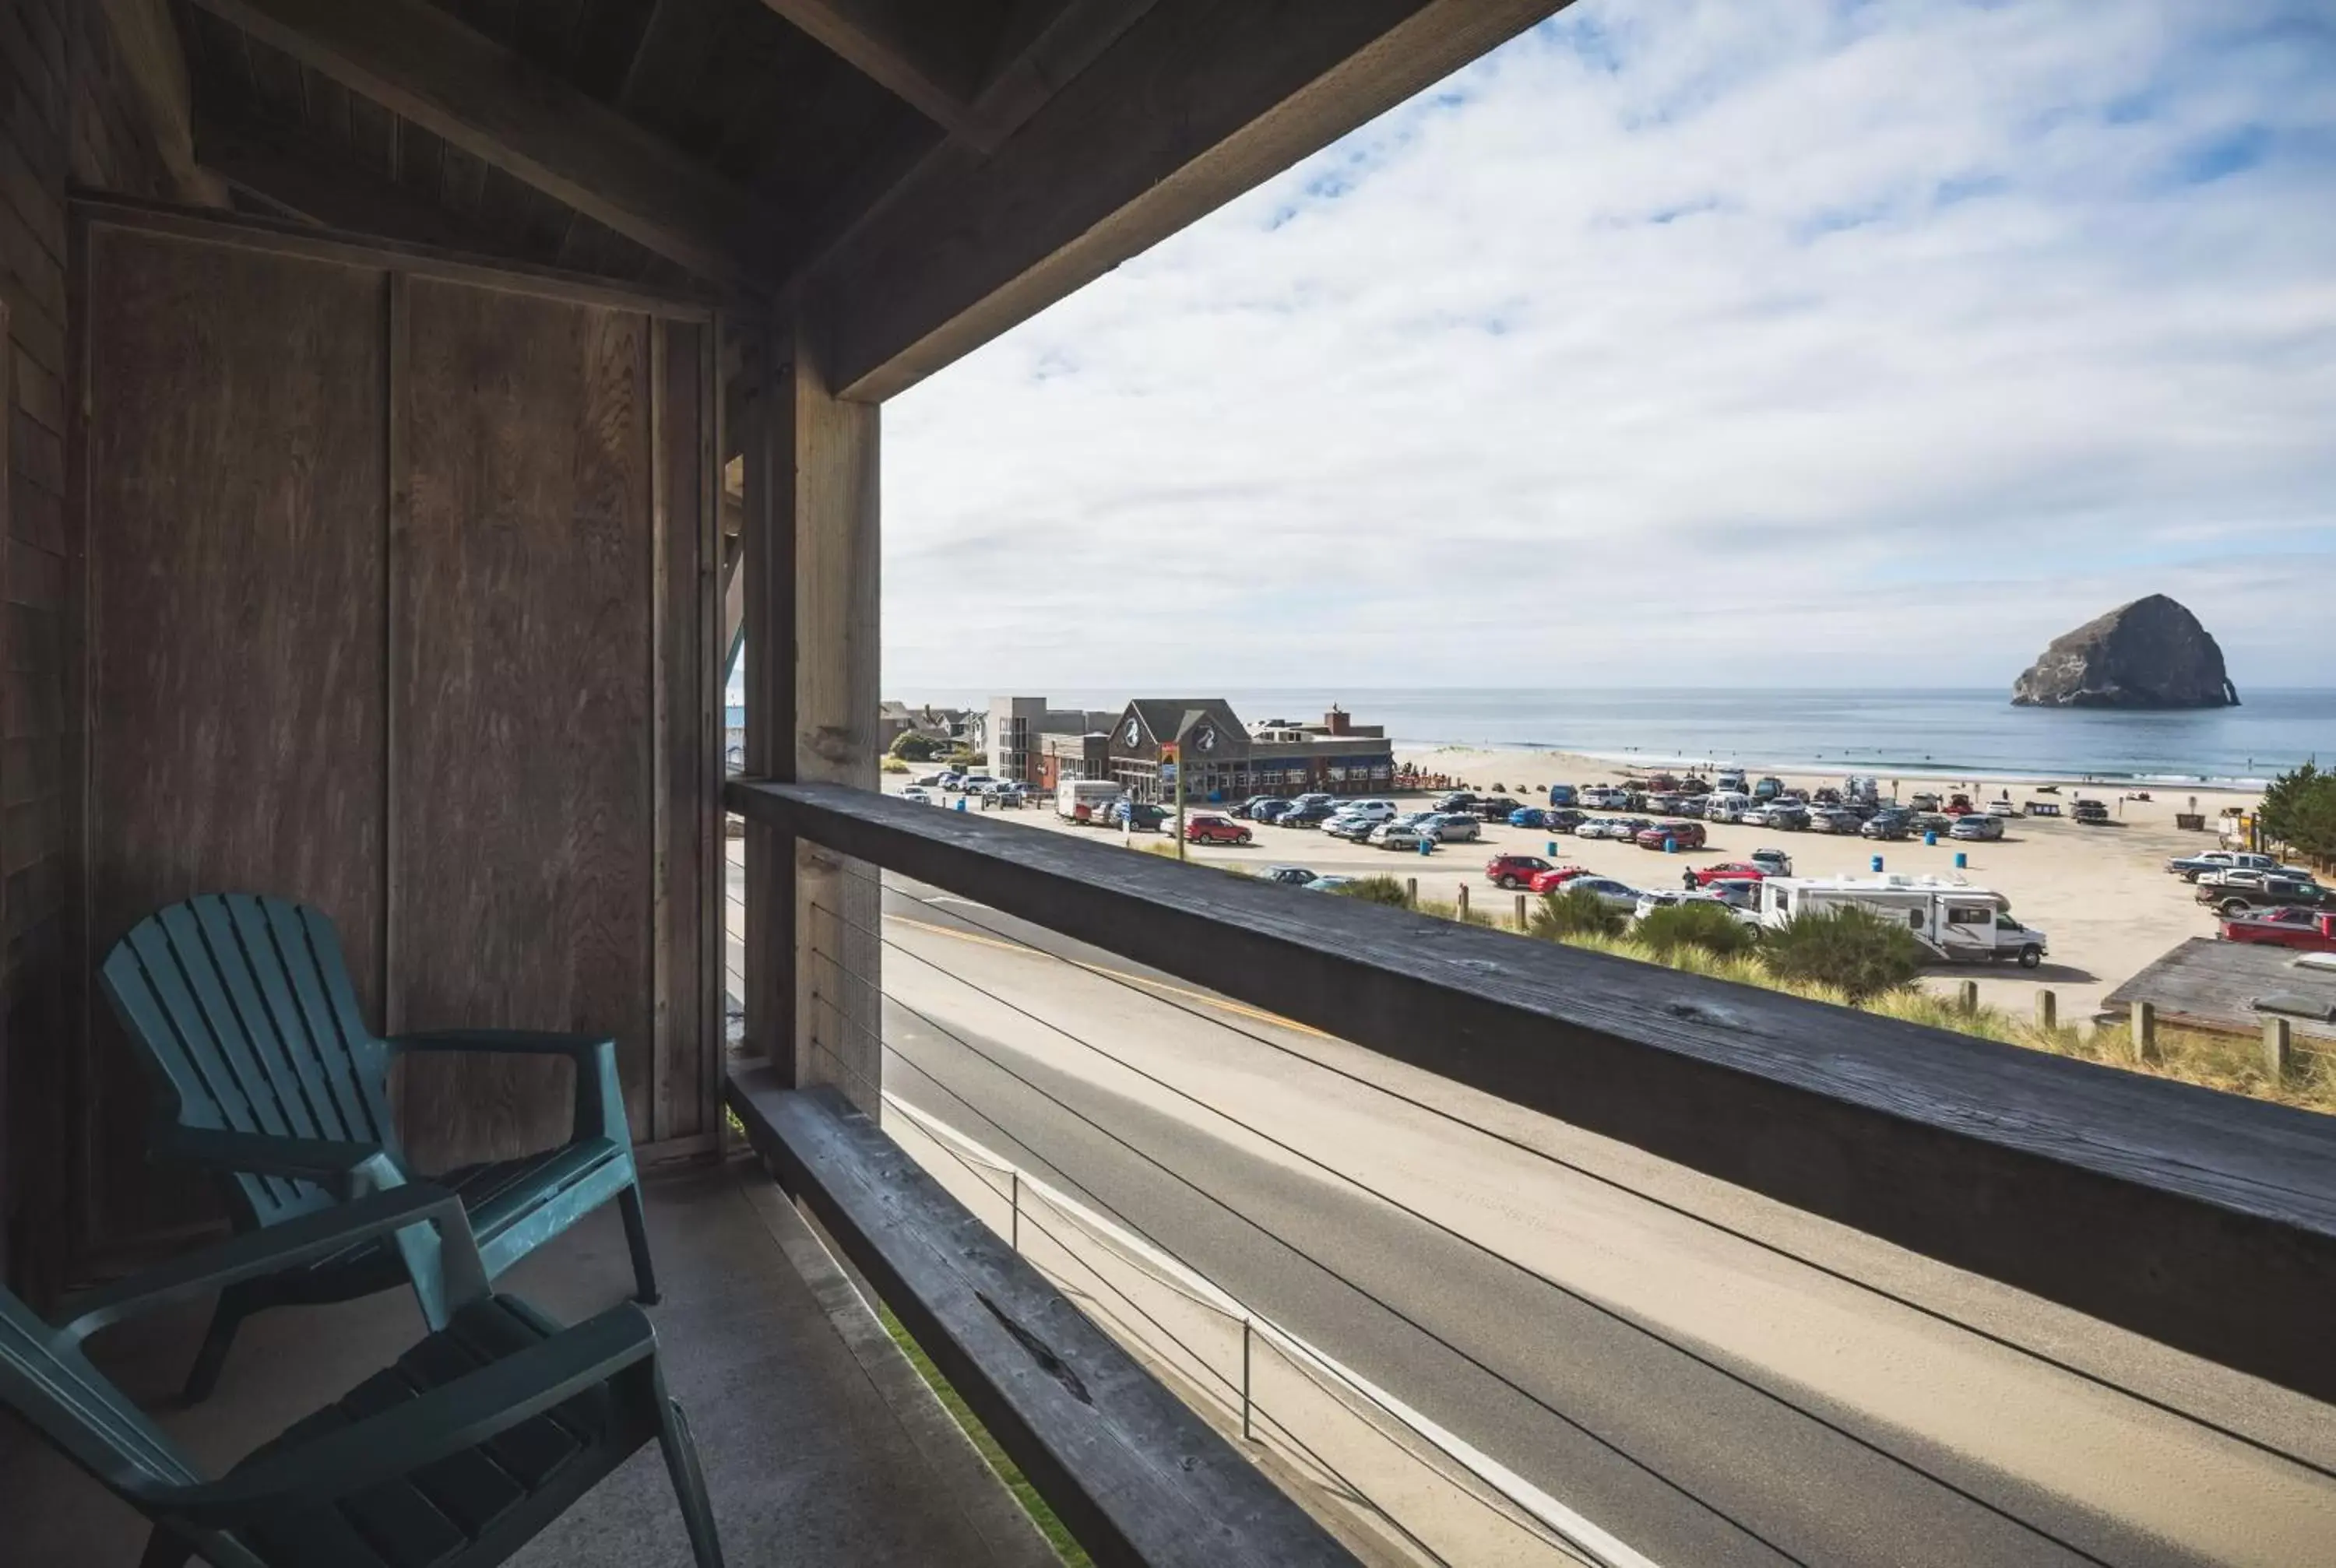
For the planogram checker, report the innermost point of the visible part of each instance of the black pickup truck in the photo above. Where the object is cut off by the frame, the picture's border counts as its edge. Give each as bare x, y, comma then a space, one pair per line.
2261, 892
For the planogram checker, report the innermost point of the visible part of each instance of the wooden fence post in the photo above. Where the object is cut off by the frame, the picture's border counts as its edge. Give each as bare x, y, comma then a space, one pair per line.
1463, 902
1967, 996
1520, 912
2047, 1009
2278, 1047
1411, 892
2144, 1031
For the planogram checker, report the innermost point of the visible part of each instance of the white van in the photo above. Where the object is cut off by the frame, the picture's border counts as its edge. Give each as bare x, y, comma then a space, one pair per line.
1953, 919
1725, 806
1086, 800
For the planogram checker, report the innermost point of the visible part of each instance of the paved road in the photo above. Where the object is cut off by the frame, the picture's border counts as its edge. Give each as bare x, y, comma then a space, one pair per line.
1999, 1457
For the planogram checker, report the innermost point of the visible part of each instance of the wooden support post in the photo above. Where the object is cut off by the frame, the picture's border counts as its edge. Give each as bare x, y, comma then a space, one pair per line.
1411, 892
2278, 1047
814, 960
1967, 996
1463, 901
2144, 1031
2047, 1009
1520, 912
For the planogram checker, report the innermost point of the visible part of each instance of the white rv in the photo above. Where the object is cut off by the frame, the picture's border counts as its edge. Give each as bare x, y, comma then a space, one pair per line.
1957, 922
1086, 800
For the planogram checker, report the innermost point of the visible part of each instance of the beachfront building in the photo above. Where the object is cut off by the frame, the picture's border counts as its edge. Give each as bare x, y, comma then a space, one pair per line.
1227, 760
1018, 725
1073, 756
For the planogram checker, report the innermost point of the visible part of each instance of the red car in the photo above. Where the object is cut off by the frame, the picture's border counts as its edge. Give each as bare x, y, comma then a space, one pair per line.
2293, 926
1686, 835
1209, 828
1730, 870
1513, 871
1556, 877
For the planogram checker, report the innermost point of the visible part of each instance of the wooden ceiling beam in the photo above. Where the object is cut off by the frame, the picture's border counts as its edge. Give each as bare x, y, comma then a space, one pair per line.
932, 54
418, 60
1196, 103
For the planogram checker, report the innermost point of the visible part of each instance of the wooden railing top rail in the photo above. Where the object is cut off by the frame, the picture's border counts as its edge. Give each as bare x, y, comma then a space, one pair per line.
2203, 1220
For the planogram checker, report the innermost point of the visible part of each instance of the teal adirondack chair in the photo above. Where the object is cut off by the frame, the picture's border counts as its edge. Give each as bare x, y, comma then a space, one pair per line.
454, 1457
242, 1009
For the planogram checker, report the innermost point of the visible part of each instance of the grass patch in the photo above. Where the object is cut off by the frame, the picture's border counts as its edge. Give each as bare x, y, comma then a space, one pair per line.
1059, 1538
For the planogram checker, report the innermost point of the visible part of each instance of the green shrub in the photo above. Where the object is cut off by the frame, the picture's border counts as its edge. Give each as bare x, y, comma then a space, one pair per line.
1574, 912
1855, 950
894, 764
1379, 890
910, 746
1711, 927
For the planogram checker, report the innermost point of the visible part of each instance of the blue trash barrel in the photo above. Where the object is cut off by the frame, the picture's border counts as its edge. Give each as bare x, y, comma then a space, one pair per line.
1425, 844
1671, 845
1551, 849
1961, 860
1930, 837
1877, 863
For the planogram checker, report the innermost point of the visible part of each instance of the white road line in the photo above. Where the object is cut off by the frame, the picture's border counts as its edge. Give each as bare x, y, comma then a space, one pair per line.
1563, 1521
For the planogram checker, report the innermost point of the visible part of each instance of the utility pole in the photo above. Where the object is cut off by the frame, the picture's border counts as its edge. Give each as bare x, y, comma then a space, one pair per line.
1177, 757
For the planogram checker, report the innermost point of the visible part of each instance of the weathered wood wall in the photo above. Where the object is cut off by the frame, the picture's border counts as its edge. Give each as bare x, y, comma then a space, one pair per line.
66, 109
397, 607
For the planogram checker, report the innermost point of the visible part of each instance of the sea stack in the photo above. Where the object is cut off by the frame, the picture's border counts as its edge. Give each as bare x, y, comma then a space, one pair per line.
2151, 653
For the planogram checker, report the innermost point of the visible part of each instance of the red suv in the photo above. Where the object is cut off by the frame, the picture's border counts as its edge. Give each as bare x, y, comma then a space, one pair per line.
1686, 835
1513, 871
1209, 828
1555, 878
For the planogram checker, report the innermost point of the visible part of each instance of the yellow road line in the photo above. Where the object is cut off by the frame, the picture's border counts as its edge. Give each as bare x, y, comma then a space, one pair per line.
1222, 1004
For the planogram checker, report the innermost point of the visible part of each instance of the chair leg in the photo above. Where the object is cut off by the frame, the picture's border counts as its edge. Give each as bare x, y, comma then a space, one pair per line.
227, 1317
637, 1235
688, 1481
164, 1550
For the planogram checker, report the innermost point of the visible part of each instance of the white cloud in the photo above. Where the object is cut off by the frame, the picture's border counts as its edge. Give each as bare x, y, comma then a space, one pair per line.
1683, 343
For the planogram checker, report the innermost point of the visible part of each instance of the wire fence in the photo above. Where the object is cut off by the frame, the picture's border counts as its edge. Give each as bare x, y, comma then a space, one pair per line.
1337, 1429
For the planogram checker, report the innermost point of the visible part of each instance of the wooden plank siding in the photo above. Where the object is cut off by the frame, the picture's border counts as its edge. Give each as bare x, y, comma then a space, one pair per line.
399, 607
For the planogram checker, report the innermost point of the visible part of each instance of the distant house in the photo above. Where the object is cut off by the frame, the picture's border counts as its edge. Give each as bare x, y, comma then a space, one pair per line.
947, 727
1225, 760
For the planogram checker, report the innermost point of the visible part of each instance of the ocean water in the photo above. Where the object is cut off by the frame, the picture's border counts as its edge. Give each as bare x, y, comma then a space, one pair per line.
1958, 734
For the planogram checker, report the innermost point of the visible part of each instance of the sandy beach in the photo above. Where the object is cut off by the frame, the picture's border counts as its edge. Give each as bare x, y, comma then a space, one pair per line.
2101, 893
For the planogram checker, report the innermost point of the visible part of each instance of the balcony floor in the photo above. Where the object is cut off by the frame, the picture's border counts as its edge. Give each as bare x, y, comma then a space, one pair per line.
821, 1445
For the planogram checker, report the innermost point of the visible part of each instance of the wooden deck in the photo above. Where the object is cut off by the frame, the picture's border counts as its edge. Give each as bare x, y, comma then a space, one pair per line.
822, 1444
2209, 984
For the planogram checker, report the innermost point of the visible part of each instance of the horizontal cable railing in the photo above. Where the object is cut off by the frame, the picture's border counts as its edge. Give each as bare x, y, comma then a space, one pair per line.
2199, 1220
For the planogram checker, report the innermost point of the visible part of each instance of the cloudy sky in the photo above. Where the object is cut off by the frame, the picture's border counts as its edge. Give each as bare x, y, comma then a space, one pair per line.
1683, 342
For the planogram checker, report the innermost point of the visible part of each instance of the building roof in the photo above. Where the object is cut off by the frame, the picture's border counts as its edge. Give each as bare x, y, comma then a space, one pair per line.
1166, 717
2213, 984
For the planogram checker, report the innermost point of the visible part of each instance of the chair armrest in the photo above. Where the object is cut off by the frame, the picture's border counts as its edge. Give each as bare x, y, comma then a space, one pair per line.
445, 1420
600, 1099
502, 1042
346, 1170
275, 1248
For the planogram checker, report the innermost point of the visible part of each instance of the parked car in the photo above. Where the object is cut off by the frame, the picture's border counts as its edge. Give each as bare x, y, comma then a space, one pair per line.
919, 794
1686, 835
1777, 813
2002, 808
1648, 902
1328, 884
2090, 814
1768, 788
1530, 817
1454, 828
1513, 871
1730, 780
1977, 827
1929, 823
2190, 868
1775, 863
1666, 803
931, 781
1563, 795
1616, 895
1923, 801
1884, 825
1725, 805
1553, 879
1495, 808
2290, 926
1305, 814
974, 782
1605, 797
1346, 825
1371, 811
1731, 871
1401, 835
2272, 893
1142, 815
1833, 820
949, 780
1458, 801
1213, 828
1263, 808
1289, 876
1317, 798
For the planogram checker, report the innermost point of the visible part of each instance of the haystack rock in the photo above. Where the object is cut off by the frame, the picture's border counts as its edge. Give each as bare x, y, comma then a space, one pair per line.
2151, 653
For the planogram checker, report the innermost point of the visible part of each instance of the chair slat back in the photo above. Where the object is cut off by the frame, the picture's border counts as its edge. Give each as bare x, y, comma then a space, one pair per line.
242, 1008
45, 1380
